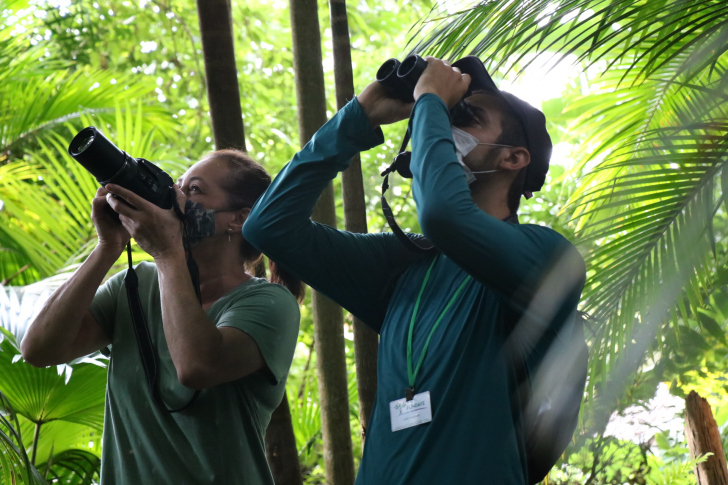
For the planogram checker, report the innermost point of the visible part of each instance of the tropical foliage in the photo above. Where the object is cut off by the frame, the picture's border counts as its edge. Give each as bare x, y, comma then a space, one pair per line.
644, 121
649, 116
70, 65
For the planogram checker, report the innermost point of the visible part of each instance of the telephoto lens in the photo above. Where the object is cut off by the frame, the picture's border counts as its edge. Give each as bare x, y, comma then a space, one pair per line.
110, 165
97, 154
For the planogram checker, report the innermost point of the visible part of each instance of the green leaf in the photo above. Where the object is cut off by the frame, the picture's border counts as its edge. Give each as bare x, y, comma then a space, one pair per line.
709, 324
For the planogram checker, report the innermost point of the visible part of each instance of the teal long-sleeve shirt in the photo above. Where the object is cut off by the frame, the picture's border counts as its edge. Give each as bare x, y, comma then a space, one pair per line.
525, 284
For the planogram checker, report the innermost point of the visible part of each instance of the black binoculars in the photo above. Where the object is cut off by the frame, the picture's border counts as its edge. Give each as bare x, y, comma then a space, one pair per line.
400, 78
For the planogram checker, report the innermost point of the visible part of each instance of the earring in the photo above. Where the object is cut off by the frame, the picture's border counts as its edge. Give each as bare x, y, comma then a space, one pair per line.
229, 232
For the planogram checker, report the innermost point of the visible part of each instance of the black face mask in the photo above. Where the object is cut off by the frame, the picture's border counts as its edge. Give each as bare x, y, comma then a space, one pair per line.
199, 222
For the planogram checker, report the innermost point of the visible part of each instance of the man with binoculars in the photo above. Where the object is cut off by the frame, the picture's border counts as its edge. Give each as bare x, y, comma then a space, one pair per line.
463, 326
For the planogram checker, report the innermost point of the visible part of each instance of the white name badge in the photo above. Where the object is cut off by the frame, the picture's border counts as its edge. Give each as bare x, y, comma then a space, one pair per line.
406, 414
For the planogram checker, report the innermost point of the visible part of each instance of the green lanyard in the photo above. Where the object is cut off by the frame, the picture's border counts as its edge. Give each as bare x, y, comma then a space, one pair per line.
409, 392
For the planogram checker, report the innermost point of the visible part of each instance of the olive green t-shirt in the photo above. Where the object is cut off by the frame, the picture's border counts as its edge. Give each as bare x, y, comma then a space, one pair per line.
220, 438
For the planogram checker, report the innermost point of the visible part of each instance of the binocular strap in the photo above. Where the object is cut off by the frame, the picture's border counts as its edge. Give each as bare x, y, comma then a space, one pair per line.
401, 166
150, 361
420, 245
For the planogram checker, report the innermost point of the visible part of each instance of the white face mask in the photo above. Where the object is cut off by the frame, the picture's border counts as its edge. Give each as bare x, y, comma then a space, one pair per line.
466, 143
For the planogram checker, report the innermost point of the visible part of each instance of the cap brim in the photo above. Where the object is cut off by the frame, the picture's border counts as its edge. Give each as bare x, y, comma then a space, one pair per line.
531, 119
480, 80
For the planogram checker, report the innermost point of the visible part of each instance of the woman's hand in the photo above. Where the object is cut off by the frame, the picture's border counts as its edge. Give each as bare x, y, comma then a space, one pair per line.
157, 231
112, 235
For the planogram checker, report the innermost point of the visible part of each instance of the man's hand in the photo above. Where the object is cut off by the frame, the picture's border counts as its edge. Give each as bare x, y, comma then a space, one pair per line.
380, 108
157, 231
112, 235
442, 79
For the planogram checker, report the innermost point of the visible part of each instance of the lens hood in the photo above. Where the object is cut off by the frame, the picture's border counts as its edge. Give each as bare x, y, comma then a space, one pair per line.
96, 153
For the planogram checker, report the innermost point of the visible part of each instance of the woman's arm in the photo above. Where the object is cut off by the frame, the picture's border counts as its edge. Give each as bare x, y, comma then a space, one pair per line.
203, 354
65, 328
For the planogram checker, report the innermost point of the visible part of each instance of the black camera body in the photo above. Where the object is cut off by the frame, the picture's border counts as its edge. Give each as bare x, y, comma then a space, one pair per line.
110, 165
400, 78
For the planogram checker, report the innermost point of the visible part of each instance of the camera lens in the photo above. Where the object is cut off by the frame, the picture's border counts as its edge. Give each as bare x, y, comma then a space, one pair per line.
96, 153
82, 144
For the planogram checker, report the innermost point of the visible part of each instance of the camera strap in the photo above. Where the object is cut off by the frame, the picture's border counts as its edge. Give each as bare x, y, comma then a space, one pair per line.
150, 360
401, 165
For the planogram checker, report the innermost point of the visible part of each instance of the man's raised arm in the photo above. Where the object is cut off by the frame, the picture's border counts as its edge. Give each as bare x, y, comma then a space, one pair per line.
352, 269
508, 258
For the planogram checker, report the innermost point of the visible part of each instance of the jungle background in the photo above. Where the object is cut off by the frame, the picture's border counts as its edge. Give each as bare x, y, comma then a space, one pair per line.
635, 94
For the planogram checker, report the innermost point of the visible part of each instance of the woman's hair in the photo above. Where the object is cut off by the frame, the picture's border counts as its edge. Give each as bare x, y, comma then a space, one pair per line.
244, 185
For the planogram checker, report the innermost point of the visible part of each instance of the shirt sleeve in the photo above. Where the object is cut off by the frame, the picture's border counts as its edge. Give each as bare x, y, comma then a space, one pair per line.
104, 305
513, 260
270, 315
357, 271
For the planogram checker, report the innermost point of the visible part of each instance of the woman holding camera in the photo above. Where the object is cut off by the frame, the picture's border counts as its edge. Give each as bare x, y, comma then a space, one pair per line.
236, 346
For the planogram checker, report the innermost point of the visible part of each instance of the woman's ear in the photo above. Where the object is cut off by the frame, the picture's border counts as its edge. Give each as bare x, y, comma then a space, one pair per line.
240, 217
514, 159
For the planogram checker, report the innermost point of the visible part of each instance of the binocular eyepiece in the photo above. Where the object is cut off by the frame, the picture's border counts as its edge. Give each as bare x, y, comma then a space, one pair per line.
400, 78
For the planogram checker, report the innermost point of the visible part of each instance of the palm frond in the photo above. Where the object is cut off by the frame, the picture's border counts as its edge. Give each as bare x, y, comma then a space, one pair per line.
46, 196
15, 466
652, 129
73, 467
35, 105
623, 31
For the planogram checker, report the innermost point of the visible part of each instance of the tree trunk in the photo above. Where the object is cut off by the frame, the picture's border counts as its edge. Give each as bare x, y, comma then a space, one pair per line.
223, 93
327, 316
223, 96
703, 437
366, 343
280, 447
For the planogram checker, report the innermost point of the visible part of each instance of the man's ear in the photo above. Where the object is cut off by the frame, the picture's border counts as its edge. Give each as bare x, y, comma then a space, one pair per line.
240, 217
514, 159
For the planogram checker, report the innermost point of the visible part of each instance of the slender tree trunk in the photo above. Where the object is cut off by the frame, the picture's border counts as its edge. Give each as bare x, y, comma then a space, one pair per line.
703, 437
281, 455
223, 95
328, 317
366, 343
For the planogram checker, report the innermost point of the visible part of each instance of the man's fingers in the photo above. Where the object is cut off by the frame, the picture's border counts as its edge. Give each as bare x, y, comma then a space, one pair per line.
466, 79
101, 192
406, 109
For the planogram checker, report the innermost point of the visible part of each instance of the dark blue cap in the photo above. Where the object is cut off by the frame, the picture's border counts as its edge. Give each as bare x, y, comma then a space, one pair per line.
532, 120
